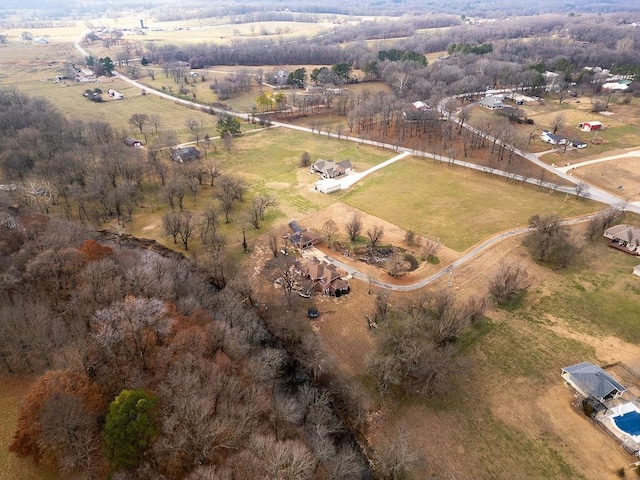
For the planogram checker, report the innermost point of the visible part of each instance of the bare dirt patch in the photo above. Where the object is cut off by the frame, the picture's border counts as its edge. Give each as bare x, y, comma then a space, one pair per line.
610, 175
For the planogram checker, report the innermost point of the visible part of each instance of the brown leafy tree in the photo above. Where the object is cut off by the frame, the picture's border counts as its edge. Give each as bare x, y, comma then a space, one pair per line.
58, 423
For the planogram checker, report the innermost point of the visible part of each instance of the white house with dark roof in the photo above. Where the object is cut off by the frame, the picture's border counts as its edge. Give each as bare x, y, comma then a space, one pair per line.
592, 381
553, 139
492, 102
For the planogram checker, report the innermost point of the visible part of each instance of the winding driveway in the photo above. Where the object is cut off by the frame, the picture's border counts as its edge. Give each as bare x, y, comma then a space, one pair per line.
593, 192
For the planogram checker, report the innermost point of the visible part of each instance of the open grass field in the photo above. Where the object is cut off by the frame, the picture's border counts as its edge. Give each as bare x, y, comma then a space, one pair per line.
508, 414
612, 174
268, 161
457, 206
12, 467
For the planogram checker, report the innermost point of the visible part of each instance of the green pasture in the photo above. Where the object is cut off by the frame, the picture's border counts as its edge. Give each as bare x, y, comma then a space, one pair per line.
70, 101
599, 296
268, 160
455, 205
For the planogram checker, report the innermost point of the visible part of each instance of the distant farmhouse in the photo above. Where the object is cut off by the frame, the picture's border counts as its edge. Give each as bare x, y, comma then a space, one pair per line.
331, 169
185, 154
620, 85
625, 238
549, 137
492, 102
132, 142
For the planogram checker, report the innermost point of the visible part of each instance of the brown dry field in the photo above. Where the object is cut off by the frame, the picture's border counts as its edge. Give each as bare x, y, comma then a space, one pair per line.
488, 413
611, 174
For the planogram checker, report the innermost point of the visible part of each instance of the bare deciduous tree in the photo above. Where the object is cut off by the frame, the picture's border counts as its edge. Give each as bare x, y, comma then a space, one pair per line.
329, 230
375, 234
354, 226
507, 281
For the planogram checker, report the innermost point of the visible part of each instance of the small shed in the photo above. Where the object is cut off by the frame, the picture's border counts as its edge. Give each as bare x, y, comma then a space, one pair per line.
592, 381
636, 270
593, 126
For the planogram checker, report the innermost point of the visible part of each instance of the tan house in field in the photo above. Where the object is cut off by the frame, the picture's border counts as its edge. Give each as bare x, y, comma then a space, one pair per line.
624, 237
331, 169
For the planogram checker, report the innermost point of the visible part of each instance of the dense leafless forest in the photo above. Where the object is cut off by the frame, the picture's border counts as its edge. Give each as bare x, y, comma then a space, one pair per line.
284, 10
97, 317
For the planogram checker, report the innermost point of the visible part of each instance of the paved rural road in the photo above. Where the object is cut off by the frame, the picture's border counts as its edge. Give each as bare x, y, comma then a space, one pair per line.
594, 193
635, 153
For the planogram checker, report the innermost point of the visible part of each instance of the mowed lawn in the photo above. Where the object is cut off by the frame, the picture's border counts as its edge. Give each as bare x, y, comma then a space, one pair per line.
11, 467
268, 160
600, 298
453, 205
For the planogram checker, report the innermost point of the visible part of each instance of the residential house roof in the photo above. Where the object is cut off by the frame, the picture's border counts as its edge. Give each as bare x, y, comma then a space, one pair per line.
628, 233
132, 142
551, 138
591, 380
185, 154
420, 105
295, 226
331, 169
492, 101
301, 237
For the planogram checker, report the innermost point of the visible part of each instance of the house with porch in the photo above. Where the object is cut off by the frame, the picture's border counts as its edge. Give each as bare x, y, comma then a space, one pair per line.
624, 237
184, 154
492, 102
331, 169
590, 380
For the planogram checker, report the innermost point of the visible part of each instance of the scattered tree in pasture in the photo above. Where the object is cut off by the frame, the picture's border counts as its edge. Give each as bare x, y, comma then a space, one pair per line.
139, 120
581, 189
548, 240
375, 234
329, 230
410, 238
395, 457
507, 281
353, 226
558, 123
305, 159
430, 248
